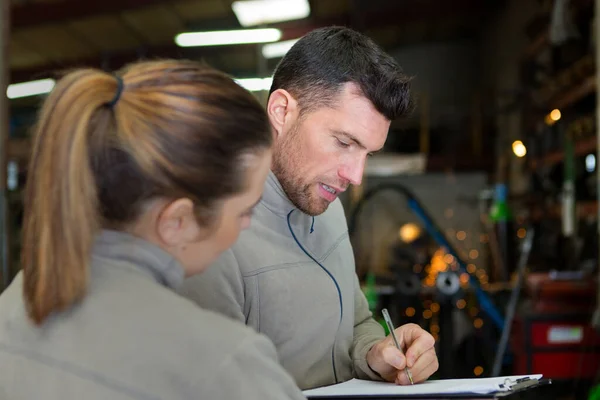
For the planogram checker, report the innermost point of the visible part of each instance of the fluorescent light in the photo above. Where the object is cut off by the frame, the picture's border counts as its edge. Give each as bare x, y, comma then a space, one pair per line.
32, 88
257, 12
255, 84
221, 38
277, 49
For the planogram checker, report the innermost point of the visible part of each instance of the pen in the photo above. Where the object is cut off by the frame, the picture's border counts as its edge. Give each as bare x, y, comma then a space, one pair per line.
390, 326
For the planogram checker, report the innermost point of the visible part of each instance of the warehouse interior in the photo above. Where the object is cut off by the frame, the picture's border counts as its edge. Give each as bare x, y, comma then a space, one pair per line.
478, 221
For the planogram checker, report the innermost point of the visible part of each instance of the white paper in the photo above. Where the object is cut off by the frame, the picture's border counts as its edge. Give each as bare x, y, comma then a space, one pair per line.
359, 387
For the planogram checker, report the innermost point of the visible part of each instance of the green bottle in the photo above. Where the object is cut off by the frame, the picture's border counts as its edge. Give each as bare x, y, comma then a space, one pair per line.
500, 211
595, 393
501, 218
371, 292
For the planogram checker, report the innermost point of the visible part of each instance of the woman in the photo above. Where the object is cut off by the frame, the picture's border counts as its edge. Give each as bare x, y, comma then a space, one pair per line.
136, 181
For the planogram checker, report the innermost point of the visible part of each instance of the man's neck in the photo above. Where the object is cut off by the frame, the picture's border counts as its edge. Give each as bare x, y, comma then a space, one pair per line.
275, 198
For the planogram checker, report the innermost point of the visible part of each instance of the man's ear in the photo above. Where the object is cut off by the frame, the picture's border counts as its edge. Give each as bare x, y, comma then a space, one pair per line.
282, 109
177, 224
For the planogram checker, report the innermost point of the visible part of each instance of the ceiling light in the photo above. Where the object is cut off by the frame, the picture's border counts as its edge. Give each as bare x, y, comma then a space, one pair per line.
222, 38
590, 163
277, 49
519, 148
409, 232
32, 88
255, 84
552, 117
257, 12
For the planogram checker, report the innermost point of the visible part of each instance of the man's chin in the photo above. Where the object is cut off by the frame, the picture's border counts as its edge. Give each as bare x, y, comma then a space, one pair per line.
317, 207
311, 204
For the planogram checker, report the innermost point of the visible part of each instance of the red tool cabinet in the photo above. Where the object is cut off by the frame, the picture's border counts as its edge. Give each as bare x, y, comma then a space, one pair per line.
553, 335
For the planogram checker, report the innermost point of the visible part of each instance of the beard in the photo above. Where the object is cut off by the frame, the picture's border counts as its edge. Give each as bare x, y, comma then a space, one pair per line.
287, 166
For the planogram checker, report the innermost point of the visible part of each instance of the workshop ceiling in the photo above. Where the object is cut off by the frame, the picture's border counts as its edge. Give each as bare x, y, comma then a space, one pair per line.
49, 35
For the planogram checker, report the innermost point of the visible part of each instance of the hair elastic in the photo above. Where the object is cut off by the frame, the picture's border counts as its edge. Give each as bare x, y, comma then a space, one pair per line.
115, 99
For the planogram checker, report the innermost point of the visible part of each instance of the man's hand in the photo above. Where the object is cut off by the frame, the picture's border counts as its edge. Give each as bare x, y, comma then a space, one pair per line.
385, 359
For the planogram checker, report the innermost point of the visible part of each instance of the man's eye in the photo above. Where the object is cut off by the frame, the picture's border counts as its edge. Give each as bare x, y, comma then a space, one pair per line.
342, 144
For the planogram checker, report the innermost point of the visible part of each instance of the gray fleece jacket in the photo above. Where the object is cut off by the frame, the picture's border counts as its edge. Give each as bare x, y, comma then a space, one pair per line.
132, 337
292, 277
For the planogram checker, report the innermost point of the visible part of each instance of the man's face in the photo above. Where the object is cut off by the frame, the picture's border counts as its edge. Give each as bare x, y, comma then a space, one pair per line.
319, 155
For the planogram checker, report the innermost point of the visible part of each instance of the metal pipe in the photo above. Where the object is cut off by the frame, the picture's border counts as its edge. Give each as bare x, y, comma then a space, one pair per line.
511, 308
4, 133
424, 134
434, 231
596, 318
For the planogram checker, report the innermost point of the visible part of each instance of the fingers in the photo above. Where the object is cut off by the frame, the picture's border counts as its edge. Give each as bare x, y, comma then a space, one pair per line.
408, 333
420, 357
422, 342
385, 359
425, 366
392, 356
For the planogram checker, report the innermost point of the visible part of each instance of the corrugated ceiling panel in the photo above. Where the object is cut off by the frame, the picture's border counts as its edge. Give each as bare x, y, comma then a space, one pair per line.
107, 32
205, 9
157, 25
55, 42
329, 8
22, 57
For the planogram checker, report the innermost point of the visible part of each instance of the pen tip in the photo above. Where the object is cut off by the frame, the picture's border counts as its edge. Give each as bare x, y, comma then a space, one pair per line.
410, 378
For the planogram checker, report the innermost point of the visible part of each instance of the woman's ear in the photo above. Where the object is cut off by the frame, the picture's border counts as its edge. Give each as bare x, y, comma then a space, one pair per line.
177, 224
282, 109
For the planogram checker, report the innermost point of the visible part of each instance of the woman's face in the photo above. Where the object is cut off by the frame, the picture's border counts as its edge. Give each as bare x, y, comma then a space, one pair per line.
234, 215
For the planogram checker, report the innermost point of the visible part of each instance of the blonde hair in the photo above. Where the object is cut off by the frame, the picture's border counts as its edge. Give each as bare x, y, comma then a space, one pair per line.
177, 129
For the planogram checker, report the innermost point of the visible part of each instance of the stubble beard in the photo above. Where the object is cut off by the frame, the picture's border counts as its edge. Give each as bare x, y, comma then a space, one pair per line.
287, 167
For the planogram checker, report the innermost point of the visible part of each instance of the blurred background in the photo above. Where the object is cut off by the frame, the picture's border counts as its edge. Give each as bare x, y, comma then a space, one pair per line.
478, 221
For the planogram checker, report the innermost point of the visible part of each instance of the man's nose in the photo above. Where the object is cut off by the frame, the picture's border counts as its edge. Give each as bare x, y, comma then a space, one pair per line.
353, 170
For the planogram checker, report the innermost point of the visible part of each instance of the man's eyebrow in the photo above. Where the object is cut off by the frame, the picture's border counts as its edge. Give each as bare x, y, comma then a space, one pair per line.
354, 139
350, 136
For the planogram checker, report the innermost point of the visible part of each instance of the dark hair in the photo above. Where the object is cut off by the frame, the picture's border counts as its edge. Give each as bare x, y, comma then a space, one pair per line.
316, 67
178, 129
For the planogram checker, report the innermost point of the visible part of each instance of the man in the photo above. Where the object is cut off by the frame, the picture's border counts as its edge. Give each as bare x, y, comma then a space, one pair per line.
291, 276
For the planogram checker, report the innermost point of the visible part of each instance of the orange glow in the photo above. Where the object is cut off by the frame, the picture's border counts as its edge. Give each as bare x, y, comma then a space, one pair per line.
464, 278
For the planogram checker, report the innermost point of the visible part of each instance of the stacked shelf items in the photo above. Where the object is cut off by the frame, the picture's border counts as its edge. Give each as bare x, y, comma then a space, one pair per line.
559, 128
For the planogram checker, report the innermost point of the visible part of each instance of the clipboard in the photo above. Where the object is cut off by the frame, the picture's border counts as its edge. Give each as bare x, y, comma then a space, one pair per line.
478, 388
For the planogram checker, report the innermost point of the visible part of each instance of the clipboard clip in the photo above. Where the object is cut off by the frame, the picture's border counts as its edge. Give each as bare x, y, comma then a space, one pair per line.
518, 384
